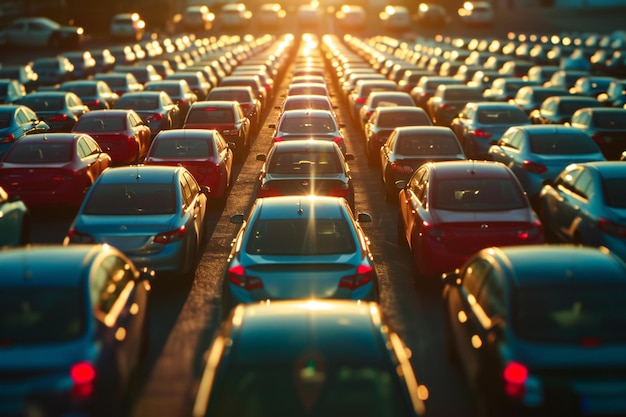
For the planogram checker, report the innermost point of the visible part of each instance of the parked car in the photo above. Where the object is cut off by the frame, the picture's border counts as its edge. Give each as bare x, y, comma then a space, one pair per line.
426, 87
585, 205
143, 73
409, 147
197, 18
451, 210
11, 91
448, 100
395, 18
227, 117
503, 89
532, 329
162, 210
371, 371
204, 152
606, 126
17, 121
127, 26
15, 222
53, 70
69, 316
306, 167
592, 86
308, 124
294, 247
120, 133
59, 109
178, 90
476, 13
250, 104
22, 73
303, 102
156, 109
120, 82
481, 124
95, 94
83, 62
196, 81
41, 32
253, 81
529, 98
362, 89
382, 99
615, 95
559, 109
52, 169
539, 152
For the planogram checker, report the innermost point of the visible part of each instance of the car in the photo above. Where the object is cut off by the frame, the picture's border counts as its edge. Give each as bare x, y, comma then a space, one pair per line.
234, 16
270, 16
16, 121
362, 89
411, 77
161, 65
303, 102
266, 76
308, 124
530, 98
50, 170
503, 89
143, 73
196, 81
104, 59
42, 32
120, 82
197, 18
251, 80
559, 109
536, 153
204, 152
384, 120
565, 78
351, 17
481, 124
382, 99
127, 26
371, 372
178, 90
156, 215
409, 147
250, 104
59, 109
53, 70
306, 167
83, 62
606, 126
615, 95
450, 210
227, 117
476, 13
532, 329
585, 205
82, 315
298, 247
95, 94
15, 222
592, 86
426, 87
448, 100
11, 91
309, 88
156, 109
22, 73
432, 15
395, 18
120, 133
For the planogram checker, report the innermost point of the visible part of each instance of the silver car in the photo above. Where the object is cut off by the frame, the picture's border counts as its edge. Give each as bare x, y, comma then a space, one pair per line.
309, 124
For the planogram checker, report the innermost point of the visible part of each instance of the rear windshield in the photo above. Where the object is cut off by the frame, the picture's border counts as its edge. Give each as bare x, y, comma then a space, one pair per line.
307, 104
504, 117
82, 90
300, 237
574, 314
5, 119
570, 106
305, 163
610, 120
396, 119
39, 153
211, 115
428, 145
307, 124
131, 199
101, 124
138, 103
614, 194
562, 144
43, 103
240, 96
40, 315
172, 90
463, 94
177, 149
491, 194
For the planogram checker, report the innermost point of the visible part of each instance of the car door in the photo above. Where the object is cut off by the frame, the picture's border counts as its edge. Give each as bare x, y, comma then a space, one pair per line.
508, 149
194, 203
141, 132
225, 158
573, 196
415, 193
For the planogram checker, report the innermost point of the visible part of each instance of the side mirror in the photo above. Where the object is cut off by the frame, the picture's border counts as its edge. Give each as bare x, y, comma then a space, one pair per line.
451, 278
236, 219
261, 157
364, 218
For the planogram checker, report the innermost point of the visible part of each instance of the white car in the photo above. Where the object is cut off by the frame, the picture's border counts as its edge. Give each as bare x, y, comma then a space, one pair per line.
41, 32
476, 13
127, 26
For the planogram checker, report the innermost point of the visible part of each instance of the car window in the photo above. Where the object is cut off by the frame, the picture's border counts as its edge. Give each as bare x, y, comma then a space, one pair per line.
38, 153
473, 276
304, 163
83, 147
494, 117
427, 145
187, 148
562, 144
491, 295
194, 188
100, 124
610, 120
583, 185
186, 190
478, 194
211, 115
111, 279
131, 199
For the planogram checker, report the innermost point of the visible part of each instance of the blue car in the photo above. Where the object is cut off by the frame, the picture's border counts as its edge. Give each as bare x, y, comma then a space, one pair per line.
16, 121
586, 205
73, 329
156, 215
14, 220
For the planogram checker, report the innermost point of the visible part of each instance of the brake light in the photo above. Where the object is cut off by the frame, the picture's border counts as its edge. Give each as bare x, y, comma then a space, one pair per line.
171, 236
339, 141
64, 177
515, 376
360, 100
237, 276
600, 139
400, 168
83, 375
154, 117
278, 139
447, 107
58, 117
8, 138
534, 167
364, 275
182, 101
482, 133
75, 236
612, 228
342, 190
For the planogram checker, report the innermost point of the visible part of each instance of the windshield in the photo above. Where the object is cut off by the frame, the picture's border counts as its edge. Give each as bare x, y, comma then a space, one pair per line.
38, 153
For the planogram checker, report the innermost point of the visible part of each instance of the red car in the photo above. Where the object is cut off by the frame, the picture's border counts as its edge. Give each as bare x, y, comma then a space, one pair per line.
451, 210
203, 152
52, 169
227, 117
121, 133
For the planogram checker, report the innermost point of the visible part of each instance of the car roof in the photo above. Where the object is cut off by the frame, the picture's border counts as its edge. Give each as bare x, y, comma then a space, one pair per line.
606, 169
300, 145
534, 265
47, 265
424, 130
306, 112
107, 113
398, 109
139, 174
554, 129
296, 207
469, 168
182, 134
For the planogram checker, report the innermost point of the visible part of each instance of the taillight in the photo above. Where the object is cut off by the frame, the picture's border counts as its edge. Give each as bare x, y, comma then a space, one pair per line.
364, 275
83, 375
515, 375
428, 229
8, 138
78, 237
534, 167
530, 232
64, 177
237, 276
58, 117
612, 228
171, 236
278, 139
342, 190
482, 133
339, 141
154, 117
182, 101
400, 168
360, 100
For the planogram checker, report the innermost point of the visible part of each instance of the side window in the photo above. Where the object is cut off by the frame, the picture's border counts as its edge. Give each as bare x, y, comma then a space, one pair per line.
414, 184
507, 140
517, 140
83, 148
473, 276
194, 188
184, 187
583, 184
94, 148
491, 296
134, 120
567, 179
391, 141
22, 117
111, 278
166, 100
